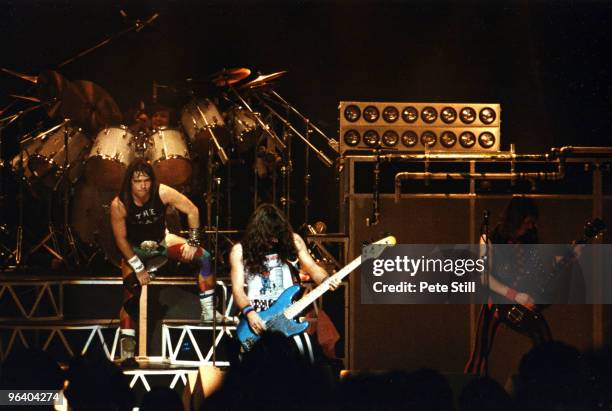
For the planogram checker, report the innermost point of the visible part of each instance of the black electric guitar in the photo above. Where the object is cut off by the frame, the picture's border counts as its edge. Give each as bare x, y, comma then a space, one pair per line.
522, 317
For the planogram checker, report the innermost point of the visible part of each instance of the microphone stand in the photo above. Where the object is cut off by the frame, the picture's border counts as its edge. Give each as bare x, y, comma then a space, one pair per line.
373, 220
484, 232
138, 25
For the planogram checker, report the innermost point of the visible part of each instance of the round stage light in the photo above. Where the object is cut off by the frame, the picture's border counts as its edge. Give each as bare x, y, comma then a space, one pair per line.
486, 139
467, 115
410, 114
390, 114
351, 138
410, 138
487, 115
448, 139
390, 138
370, 114
352, 113
429, 115
371, 138
467, 139
448, 115
428, 139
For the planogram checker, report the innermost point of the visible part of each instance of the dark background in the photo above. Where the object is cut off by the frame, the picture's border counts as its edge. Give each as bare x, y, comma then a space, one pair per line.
546, 62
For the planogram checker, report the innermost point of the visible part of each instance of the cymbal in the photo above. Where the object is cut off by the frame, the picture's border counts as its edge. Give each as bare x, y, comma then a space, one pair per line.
90, 105
229, 76
51, 87
262, 79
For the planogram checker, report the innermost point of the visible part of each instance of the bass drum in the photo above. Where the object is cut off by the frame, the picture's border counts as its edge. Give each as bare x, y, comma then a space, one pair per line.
200, 120
169, 155
91, 220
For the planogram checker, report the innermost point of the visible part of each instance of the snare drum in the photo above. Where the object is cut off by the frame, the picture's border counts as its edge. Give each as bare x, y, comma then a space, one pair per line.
110, 155
201, 119
45, 155
169, 155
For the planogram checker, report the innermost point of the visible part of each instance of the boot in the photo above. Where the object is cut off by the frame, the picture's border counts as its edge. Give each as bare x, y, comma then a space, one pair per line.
208, 309
127, 350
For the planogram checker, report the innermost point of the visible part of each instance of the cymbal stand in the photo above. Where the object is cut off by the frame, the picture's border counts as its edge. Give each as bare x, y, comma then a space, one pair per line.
69, 236
333, 143
257, 117
286, 170
5, 251
286, 122
55, 249
209, 127
307, 175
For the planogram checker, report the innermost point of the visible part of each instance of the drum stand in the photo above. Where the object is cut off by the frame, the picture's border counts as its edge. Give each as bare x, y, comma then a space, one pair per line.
69, 241
306, 139
6, 251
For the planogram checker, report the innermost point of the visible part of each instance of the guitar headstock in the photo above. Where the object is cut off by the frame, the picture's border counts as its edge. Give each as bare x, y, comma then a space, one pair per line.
375, 249
594, 228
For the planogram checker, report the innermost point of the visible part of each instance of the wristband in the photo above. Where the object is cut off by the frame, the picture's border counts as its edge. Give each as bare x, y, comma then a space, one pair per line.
194, 237
511, 294
136, 264
247, 310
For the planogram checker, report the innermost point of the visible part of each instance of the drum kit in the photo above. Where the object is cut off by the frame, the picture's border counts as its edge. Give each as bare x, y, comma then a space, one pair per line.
85, 155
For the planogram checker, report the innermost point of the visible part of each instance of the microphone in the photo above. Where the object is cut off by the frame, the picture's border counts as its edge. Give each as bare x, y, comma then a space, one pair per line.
486, 217
154, 92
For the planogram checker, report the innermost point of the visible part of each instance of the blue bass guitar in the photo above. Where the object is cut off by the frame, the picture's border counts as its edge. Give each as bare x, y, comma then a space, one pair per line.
281, 315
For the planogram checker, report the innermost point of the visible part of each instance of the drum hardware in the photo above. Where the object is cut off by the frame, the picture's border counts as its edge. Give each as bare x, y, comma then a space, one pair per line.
203, 123
26, 98
16, 254
64, 182
333, 143
267, 129
209, 128
286, 122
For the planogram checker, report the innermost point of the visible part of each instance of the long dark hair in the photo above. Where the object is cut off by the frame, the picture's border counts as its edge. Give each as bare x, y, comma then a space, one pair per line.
139, 165
266, 223
513, 216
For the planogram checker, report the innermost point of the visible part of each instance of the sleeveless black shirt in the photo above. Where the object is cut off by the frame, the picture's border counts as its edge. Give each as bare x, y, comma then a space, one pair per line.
147, 222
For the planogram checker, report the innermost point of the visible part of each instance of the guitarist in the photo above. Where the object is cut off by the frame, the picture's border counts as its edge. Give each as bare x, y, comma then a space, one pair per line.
263, 262
509, 274
138, 222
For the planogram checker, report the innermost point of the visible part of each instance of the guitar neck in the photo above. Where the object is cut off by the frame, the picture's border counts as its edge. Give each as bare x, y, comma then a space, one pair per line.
301, 304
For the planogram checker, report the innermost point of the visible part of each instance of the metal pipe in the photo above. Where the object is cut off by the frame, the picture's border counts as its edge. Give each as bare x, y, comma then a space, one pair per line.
555, 175
494, 156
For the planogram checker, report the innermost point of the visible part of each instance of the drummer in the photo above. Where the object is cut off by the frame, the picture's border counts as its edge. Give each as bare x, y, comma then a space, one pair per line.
157, 115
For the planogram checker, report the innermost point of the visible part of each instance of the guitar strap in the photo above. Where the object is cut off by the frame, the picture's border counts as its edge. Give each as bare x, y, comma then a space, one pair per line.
295, 272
